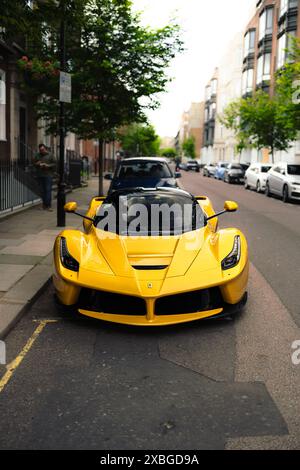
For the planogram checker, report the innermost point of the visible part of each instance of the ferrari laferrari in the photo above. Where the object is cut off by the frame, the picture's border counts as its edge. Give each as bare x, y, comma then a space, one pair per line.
151, 257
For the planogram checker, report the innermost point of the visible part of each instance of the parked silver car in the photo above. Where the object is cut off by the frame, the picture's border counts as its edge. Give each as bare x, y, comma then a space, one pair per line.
209, 169
284, 180
256, 176
234, 173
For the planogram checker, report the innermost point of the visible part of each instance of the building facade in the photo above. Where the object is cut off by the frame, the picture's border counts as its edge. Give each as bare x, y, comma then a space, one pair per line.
229, 89
192, 123
210, 114
266, 40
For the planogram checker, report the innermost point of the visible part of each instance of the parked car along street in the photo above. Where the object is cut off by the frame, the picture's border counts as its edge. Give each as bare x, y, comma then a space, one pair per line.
234, 173
209, 169
284, 180
142, 172
256, 176
220, 170
193, 165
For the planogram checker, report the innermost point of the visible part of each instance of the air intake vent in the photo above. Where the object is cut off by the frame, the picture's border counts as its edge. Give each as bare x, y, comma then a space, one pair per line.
150, 268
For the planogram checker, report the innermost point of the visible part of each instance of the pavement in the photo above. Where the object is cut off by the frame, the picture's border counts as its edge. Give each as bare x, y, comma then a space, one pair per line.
26, 244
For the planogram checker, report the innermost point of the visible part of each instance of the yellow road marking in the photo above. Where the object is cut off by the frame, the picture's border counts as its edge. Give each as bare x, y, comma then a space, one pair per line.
10, 368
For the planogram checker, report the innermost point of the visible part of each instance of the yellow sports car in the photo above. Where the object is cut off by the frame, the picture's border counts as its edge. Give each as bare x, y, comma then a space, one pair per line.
151, 257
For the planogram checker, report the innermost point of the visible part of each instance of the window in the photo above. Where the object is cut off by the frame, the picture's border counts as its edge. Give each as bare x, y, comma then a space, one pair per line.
206, 114
212, 111
266, 23
263, 68
249, 44
208, 92
283, 46
294, 170
149, 213
247, 81
2, 106
214, 84
285, 5
143, 169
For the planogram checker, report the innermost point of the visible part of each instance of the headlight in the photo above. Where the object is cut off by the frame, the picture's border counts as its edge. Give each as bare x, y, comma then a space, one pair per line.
234, 257
67, 260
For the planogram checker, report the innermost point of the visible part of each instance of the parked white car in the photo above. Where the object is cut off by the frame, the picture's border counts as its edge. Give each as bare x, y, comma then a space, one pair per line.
256, 176
284, 180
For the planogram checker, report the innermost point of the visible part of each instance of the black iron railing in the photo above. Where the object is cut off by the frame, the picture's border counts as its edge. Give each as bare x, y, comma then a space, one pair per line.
18, 187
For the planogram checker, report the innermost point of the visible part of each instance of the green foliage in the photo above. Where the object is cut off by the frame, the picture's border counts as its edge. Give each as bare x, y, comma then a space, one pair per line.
168, 152
288, 87
188, 147
139, 140
118, 67
258, 122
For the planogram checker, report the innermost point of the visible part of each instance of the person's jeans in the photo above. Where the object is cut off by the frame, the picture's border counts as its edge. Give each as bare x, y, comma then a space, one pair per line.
45, 183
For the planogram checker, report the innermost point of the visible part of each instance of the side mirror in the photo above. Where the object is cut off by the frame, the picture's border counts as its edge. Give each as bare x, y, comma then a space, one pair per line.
282, 172
108, 176
178, 174
70, 207
230, 206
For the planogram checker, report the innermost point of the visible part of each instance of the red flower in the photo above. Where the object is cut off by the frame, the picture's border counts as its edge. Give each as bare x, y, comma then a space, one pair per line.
24, 58
47, 64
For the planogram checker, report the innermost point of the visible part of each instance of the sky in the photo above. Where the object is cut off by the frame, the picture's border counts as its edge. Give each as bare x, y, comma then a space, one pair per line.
208, 27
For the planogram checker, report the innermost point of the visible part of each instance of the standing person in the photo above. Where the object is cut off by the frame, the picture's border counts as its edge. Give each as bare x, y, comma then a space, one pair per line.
177, 163
45, 166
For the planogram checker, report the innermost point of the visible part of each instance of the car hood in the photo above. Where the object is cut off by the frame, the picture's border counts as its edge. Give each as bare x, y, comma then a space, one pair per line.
143, 183
294, 178
176, 254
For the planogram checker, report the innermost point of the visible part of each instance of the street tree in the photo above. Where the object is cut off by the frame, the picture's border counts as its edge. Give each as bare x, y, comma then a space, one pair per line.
168, 152
139, 140
118, 66
258, 122
189, 147
288, 87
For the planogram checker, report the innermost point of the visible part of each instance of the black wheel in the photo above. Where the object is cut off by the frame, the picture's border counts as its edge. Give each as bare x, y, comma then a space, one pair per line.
258, 187
285, 194
246, 184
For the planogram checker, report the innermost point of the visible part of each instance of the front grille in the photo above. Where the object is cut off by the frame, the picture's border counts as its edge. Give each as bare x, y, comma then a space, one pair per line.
295, 194
189, 302
107, 302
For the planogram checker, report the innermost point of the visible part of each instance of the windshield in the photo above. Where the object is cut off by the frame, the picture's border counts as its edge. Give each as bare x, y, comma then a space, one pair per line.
294, 170
150, 214
236, 166
144, 169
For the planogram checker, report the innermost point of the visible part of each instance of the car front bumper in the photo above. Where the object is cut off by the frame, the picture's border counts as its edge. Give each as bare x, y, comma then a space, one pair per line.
156, 311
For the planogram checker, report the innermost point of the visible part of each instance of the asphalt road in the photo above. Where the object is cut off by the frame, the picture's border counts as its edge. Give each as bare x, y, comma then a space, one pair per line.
84, 384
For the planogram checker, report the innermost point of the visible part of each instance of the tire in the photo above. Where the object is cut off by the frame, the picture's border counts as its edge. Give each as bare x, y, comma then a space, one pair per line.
246, 184
285, 194
258, 187
267, 191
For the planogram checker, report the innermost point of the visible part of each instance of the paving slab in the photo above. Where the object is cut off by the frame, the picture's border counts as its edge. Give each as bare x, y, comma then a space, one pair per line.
20, 259
34, 247
10, 274
28, 287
